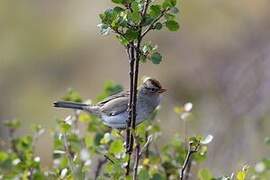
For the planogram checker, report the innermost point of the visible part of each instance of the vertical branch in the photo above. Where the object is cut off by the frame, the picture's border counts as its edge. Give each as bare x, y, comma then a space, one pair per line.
137, 63
137, 159
135, 84
130, 51
129, 138
134, 61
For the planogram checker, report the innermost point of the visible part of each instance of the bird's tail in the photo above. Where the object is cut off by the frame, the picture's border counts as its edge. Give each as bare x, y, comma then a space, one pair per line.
80, 106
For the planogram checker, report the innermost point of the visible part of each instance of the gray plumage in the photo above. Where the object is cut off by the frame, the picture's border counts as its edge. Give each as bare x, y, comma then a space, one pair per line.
113, 110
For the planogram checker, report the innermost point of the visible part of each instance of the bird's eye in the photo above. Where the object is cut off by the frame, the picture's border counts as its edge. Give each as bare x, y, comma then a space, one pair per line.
153, 89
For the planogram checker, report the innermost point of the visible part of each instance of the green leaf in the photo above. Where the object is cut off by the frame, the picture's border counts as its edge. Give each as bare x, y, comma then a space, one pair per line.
131, 34
148, 48
266, 163
158, 176
118, 1
147, 20
122, 40
38, 176
169, 17
267, 140
104, 29
135, 16
3, 156
143, 58
135, 6
89, 141
106, 138
14, 124
172, 25
85, 118
156, 58
73, 96
114, 17
158, 26
205, 174
65, 127
143, 174
195, 140
24, 143
168, 4
155, 10
98, 137
116, 147
110, 88
241, 175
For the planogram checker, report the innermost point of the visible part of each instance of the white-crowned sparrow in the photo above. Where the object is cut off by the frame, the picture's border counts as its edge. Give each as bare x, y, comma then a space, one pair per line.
113, 110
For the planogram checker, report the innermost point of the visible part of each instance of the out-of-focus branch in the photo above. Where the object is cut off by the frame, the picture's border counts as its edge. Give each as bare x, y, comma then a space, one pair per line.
69, 154
146, 145
191, 150
100, 164
137, 160
188, 169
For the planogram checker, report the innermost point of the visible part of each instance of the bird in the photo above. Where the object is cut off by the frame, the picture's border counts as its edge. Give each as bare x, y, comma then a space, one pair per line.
113, 110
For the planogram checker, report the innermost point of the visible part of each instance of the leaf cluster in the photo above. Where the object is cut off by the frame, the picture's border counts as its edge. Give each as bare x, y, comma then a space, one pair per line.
19, 160
131, 20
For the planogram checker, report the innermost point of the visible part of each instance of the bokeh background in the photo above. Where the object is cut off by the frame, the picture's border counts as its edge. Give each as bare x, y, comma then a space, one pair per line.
219, 61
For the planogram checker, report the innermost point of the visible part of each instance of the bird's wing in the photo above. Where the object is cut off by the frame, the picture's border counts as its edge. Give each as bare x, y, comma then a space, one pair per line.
114, 96
115, 106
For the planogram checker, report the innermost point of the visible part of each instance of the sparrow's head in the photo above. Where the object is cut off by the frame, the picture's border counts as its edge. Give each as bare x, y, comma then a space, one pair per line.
152, 87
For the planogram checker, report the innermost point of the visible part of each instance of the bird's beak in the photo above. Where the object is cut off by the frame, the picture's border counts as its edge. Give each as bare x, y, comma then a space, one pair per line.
162, 90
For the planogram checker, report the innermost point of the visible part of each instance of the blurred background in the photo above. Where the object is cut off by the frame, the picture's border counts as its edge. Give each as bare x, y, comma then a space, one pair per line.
219, 61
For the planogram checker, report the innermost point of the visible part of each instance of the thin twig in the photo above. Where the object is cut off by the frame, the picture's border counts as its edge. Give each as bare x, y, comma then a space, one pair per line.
146, 145
150, 27
100, 164
108, 158
75, 124
118, 32
149, 140
188, 159
69, 154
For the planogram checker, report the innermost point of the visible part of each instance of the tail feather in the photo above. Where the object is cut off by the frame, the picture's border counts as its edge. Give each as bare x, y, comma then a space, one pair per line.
72, 105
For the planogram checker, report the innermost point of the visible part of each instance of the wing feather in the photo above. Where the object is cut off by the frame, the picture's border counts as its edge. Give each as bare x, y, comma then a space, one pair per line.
114, 96
115, 106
